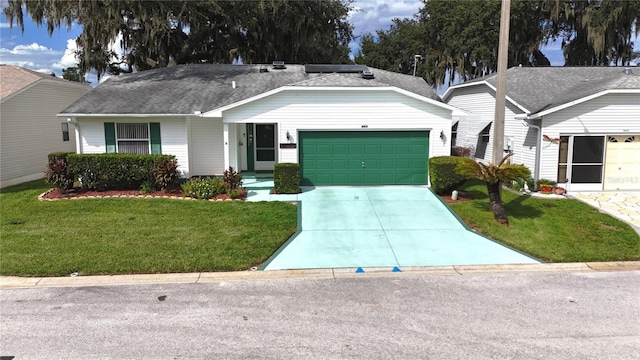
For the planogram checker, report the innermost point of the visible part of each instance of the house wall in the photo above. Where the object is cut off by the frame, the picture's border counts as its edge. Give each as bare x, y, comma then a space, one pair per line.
295, 111
205, 138
480, 101
173, 136
29, 129
605, 115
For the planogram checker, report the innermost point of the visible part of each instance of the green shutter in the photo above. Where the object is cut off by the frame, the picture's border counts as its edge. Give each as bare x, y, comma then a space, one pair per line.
154, 136
110, 136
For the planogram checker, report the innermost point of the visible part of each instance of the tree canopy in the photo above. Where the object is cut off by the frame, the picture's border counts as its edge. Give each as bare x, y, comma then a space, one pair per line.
74, 74
458, 40
154, 34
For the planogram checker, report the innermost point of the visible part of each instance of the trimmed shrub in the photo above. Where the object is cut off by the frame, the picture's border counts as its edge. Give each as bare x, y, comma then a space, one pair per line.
442, 171
115, 171
60, 155
167, 174
59, 174
286, 178
204, 188
232, 179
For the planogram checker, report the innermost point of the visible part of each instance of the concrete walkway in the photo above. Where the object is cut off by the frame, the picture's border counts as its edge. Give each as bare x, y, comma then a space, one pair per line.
384, 226
623, 205
16, 282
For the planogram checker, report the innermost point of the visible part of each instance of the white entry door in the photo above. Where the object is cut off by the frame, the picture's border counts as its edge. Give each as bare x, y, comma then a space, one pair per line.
265, 146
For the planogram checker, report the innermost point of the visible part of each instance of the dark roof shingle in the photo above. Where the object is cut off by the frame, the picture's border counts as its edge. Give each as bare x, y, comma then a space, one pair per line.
185, 89
541, 88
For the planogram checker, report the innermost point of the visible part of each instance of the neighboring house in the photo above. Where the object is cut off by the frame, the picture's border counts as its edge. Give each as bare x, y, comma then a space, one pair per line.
29, 128
579, 126
344, 126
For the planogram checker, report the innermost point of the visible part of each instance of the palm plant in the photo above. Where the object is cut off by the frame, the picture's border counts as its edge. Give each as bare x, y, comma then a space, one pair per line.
494, 175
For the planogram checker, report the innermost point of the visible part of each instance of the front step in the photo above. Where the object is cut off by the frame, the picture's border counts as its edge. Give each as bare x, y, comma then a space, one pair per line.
257, 181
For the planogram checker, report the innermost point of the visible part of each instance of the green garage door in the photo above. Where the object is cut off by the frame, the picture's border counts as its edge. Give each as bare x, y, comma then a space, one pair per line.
363, 157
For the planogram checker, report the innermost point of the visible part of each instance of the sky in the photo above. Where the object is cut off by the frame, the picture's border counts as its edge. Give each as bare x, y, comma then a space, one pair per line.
35, 49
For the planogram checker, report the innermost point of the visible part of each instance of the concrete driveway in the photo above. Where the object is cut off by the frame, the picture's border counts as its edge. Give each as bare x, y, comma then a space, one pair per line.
390, 226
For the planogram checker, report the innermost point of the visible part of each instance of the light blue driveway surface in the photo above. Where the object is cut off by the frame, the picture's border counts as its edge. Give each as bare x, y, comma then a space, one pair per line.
391, 226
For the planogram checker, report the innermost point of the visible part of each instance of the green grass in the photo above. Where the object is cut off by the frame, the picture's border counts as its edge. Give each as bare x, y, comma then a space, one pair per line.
552, 230
125, 236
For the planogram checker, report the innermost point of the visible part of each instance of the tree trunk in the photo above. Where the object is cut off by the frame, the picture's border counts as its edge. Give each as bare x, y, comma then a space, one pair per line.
495, 203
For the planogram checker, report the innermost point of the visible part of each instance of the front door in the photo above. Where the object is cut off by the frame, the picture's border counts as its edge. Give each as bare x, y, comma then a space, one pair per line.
265, 146
587, 163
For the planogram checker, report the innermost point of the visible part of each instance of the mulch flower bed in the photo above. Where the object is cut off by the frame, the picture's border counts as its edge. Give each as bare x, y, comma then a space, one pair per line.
78, 193
462, 197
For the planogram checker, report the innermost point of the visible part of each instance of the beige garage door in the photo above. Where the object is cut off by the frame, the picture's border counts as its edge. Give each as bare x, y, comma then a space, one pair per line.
622, 163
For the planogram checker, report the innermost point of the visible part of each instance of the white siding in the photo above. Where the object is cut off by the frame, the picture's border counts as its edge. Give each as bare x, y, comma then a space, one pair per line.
295, 111
480, 101
173, 136
92, 140
606, 115
206, 144
30, 130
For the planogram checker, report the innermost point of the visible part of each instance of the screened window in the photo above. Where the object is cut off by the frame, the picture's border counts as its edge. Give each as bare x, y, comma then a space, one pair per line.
485, 133
563, 156
133, 138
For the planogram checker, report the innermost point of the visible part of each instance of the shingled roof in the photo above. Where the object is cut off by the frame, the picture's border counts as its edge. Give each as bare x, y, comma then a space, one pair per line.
541, 88
16, 78
185, 89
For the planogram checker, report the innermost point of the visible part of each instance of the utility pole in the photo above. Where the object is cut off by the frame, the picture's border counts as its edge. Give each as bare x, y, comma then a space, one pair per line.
501, 88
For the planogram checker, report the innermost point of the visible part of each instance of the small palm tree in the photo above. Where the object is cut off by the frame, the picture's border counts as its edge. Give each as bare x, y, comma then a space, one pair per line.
494, 176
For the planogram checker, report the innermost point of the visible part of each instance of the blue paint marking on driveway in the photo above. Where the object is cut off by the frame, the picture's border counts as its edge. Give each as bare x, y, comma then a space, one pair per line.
391, 226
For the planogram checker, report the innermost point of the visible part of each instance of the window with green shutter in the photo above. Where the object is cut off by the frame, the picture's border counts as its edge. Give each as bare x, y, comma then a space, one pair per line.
135, 138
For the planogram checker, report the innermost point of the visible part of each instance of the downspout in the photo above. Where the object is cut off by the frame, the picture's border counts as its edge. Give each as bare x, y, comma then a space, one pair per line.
536, 170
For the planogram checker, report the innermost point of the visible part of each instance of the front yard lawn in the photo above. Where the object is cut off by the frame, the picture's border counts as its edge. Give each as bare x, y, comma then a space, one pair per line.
553, 230
125, 236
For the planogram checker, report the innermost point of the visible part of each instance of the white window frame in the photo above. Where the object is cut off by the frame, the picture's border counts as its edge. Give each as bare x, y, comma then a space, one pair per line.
147, 139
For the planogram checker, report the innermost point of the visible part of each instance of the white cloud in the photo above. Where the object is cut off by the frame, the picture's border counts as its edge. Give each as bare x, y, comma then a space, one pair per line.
4, 25
369, 16
33, 48
32, 56
69, 59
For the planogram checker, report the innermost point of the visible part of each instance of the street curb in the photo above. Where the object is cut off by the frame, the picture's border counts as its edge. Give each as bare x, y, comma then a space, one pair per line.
16, 282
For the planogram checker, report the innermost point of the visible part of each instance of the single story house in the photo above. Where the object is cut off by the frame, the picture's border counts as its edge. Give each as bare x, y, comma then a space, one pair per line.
579, 126
29, 128
344, 124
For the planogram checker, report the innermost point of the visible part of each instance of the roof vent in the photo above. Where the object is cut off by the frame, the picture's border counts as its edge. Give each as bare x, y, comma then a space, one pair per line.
279, 65
367, 74
263, 69
627, 71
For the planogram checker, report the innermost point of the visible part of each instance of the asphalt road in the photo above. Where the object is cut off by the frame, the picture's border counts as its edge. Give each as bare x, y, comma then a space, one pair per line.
478, 316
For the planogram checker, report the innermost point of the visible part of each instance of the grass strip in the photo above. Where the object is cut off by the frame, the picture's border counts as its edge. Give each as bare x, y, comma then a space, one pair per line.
553, 230
129, 235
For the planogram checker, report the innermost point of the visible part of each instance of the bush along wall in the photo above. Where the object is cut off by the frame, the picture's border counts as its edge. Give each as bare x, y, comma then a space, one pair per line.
59, 173
442, 171
286, 178
116, 171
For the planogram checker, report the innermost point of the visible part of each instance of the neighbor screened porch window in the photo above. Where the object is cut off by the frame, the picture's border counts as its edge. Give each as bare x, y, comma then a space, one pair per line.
135, 138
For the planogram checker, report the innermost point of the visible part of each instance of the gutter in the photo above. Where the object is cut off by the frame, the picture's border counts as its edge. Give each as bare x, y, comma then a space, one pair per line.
526, 121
